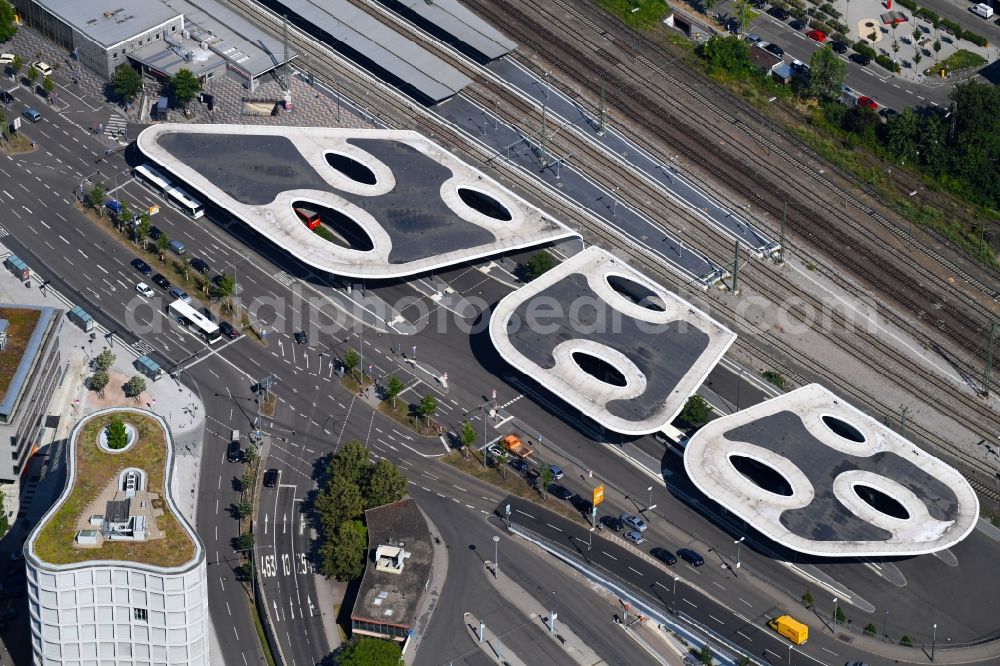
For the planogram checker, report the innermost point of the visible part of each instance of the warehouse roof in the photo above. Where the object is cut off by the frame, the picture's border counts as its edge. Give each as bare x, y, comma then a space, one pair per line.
411, 64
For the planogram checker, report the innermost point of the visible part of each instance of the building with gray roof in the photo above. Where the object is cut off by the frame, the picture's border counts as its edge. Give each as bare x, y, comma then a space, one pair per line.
816, 475
30, 369
398, 571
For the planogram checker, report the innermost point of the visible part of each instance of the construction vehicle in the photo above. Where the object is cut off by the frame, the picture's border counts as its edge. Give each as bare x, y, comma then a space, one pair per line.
516, 447
790, 628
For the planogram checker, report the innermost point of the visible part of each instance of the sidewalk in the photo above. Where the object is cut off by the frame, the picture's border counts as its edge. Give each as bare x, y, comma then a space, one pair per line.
439, 572
491, 645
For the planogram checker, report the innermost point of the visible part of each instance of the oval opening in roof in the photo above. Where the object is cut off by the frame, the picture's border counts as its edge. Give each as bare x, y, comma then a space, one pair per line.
485, 204
351, 168
761, 475
843, 429
599, 369
333, 226
636, 292
881, 502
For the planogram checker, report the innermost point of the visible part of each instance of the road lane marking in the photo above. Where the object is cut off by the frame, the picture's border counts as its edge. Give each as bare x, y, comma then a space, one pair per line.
554, 527
63, 239
610, 555
716, 619
830, 651
716, 583
525, 514
745, 636
636, 570
688, 602
745, 601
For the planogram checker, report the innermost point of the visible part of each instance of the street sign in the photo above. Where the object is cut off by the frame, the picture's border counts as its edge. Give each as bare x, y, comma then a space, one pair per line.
598, 495
17, 123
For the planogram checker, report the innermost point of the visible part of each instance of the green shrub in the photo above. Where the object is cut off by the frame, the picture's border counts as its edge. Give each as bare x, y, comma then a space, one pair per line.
870, 629
864, 49
887, 62
117, 435
927, 14
974, 38
951, 27
906, 641
909, 4
828, 8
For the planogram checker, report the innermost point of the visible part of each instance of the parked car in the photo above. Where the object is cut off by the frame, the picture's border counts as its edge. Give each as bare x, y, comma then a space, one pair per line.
177, 247
800, 67
301, 337
155, 233
178, 293
613, 523
228, 330
6, 97
779, 13
867, 102
633, 521
494, 450
161, 282
860, 58
887, 113
560, 491
796, 24
141, 266
519, 465
757, 4
557, 473
691, 557
31, 114
200, 265
775, 49
272, 477
838, 47
584, 506
817, 35
6, 58
635, 537
143, 289
754, 38
664, 555
42, 68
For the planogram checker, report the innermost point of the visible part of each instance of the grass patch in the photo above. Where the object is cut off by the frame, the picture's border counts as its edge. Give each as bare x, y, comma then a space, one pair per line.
21, 324
268, 404
261, 636
94, 470
957, 61
650, 12
508, 481
402, 414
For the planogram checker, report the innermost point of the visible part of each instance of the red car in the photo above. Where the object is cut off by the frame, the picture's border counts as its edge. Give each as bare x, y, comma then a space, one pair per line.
868, 102
818, 35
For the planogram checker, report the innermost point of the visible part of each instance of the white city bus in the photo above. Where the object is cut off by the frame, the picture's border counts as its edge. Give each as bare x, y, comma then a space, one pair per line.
188, 316
185, 202
153, 178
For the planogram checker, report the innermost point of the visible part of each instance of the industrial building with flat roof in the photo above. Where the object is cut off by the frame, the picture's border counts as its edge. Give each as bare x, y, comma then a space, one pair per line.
30, 369
164, 36
398, 571
116, 574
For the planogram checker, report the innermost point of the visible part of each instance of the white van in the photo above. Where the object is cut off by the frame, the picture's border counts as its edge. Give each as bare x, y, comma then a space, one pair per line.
982, 9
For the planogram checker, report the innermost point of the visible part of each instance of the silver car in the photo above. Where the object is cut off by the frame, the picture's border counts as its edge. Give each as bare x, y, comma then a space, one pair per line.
635, 522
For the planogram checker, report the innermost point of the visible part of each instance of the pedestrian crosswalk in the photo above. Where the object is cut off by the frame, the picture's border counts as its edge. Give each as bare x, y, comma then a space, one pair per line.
115, 127
284, 279
4, 232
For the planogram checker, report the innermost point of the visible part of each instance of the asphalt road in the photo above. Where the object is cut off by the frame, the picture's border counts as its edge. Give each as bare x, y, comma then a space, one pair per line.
315, 414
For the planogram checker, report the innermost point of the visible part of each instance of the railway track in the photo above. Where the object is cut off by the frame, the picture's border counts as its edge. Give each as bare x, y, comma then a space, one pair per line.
396, 103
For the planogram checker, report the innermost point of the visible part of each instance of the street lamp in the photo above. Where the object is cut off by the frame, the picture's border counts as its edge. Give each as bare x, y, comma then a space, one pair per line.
496, 556
934, 641
634, 21
739, 544
885, 618
835, 614
673, 599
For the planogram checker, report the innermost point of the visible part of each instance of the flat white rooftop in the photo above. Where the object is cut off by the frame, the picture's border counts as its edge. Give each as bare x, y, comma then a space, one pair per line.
396, 203
816, 475
609, 341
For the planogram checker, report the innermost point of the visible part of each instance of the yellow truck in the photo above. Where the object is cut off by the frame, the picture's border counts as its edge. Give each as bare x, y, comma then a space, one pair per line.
790, 628
516, 447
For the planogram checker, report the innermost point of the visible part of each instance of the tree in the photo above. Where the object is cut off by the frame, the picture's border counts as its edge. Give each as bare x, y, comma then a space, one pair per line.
8, 28
727, 54
104, 360
251, 456
705, 655
142, 229
124, 214
244, 508
32, 75
224, 285
350, 462
828, 72
547, 478
502, 459
185, 86
95, 198
127, 83
839, 614
917, 36
339, 501
383, 484
162, 243
539, 263
99, 380
393, 388
371, 652
696, 411
467, 436
16, 64
48, 85
743, 15
135, 386
244, 572
343, 556
351, 360
247, 481
807, 599
427, 407
937, 48
244, 542
117, 435
917, 58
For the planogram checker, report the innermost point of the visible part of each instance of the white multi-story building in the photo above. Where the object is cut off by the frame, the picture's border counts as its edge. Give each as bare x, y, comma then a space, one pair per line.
116, 575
